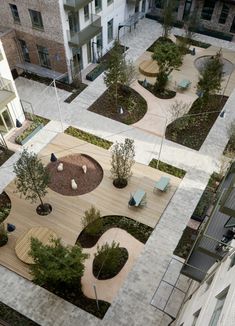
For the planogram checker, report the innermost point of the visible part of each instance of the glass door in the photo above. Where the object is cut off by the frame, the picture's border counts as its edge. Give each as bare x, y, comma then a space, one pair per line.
6, 123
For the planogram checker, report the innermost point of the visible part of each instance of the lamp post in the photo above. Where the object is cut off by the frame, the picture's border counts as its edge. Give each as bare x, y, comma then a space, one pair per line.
221, 115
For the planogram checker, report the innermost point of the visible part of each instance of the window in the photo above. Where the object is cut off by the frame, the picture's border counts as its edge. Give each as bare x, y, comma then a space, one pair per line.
232, 29
99, 41
15, 13
98, 5
109, 2
86, 12
187, 8
195, 317
208, 283
207, 9
44, 56
159, 4
224, 14
36, 18
232, 262
218, 308
25, 50
110, 30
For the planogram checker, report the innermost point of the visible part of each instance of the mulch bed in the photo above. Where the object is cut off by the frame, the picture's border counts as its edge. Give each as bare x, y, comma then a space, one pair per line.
166, 95
133, 104
192, 131
72, 169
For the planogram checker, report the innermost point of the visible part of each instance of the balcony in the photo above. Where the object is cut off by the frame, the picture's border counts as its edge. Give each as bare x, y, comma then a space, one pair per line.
82, 37
75, 4
7, 93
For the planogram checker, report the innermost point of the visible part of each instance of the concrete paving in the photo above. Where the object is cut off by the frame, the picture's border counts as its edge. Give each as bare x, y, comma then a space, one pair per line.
132, 306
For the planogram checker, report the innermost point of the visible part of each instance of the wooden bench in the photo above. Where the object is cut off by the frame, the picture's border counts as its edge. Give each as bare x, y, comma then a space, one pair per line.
162, 184
139, 198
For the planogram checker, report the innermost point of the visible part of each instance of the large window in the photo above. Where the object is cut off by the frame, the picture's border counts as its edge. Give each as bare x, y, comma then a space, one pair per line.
110, 30
24, 50
15, 13
86, 12
44, 56
207, 10
159, 4
218, 308
224, 14
36, 18
98, 5
195, 317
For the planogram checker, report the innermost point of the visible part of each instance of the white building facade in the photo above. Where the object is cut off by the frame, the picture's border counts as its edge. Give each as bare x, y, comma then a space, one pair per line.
10, 106
212, 302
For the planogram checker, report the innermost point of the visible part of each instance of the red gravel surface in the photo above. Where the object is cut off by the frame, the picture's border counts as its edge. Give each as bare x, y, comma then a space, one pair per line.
61, 180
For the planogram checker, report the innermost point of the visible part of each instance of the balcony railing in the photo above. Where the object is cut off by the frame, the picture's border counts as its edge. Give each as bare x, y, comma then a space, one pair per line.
7, 93
75, 4
82, 37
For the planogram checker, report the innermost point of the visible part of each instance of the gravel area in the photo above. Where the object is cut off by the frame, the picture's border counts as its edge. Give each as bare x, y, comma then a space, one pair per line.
72, 169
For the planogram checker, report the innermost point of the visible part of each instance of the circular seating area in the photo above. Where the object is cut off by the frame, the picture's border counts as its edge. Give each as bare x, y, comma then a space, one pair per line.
149, 68
200, 63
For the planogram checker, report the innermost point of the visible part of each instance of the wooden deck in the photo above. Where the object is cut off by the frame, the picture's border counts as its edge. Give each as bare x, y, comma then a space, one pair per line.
67, 211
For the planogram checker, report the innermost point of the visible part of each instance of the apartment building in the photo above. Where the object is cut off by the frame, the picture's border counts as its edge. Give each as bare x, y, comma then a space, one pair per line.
211, 302
217, 15
64, 36
10, 106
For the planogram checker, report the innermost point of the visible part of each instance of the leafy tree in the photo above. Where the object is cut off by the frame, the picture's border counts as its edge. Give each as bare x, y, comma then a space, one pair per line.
92, 221
168, 57
211, 77
55, 265
122, 160
115, 73
32, 177
168, 16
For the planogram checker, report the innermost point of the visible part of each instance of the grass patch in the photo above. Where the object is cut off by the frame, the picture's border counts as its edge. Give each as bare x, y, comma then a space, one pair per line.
86, 136
194, 42
133, 104
207, 198
5, 154
164, 167
186, 242
161, 39
13, 317
192, 131
138, 230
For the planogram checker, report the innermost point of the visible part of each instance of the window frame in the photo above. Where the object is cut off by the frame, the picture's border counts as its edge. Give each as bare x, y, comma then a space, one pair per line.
39, 16
207, 11
40, 49
221, 298
86, 14
24, 50
223, 14
195, 317
108, 29
98, 7
15, 12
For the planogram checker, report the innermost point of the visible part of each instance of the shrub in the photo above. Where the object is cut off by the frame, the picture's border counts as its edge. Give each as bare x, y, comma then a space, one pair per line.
3, 235
92, 221
179, 173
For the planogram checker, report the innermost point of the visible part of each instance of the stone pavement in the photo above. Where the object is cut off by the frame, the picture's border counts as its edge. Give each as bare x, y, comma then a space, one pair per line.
132, 306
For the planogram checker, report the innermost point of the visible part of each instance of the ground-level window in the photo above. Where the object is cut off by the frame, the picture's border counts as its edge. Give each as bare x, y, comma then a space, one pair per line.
24, 50
44, 56
110, 30
207, 10
224, 14
218, 308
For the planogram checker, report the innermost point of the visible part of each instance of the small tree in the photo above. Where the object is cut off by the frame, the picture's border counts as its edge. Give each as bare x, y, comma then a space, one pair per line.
130, 73
92, 221
168, 57
168, 16
32, 178
115, 73
122, 160
178, 109
55, 265
211, 77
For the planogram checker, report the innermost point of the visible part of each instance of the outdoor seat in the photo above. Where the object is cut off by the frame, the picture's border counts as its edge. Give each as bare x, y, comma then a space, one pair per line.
138, 199
162, 184
184, 84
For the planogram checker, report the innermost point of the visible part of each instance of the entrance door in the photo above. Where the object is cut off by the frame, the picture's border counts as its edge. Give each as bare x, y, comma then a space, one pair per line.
6, 123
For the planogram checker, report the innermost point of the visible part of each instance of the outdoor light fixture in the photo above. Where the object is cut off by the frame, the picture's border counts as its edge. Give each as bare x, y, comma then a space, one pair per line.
18, 123
53, 157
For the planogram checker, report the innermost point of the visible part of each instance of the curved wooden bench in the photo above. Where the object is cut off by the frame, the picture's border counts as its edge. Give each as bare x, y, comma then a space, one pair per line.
149, 68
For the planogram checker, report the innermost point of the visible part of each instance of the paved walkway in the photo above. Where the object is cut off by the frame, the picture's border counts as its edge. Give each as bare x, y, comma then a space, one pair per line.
132, 305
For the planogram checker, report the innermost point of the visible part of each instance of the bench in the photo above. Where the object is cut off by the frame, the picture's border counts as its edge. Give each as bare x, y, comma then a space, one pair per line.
162, 184
138, 199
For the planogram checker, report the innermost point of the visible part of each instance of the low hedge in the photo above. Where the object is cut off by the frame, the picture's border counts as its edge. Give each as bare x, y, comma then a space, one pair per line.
27, 132
194, 42
164, 167
98, 70
177, 23
86, 136
213, 33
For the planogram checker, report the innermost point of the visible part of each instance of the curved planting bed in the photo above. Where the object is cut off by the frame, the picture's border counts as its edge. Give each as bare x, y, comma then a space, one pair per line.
108, 264
131, 105
5, 206
138, 230
167, 94
60, 181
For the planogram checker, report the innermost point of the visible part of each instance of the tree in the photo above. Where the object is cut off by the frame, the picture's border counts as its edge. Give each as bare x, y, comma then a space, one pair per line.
92, 221
55, 265
32, 178
168, 16
211, 77
168, 57
115, 73
122, 160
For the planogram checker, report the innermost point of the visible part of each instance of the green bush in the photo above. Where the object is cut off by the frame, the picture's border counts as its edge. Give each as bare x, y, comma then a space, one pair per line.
92, 221
95, 140
179, 173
